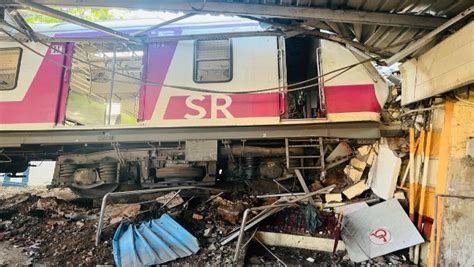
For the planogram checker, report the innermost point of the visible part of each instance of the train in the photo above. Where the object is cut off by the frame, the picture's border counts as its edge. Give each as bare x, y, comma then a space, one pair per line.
187, 104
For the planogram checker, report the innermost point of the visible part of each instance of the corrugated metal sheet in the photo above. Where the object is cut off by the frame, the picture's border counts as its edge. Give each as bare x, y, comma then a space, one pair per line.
154, 242
386, 39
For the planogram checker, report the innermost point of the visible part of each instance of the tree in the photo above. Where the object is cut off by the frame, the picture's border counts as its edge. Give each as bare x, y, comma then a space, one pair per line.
90, 14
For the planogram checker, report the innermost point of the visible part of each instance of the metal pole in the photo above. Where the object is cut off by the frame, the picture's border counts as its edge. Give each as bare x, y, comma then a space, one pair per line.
111, 91
100, 224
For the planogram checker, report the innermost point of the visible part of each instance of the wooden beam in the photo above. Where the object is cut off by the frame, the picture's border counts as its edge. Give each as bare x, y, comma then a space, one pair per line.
293, 12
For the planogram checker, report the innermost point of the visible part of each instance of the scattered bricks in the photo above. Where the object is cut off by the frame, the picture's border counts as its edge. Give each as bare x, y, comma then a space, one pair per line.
356, 190
358, 164
333, 197
353, 173
230, 213
364, 150
342, 150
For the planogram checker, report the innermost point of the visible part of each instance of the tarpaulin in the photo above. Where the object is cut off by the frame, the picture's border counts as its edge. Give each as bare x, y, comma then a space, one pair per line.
153, 242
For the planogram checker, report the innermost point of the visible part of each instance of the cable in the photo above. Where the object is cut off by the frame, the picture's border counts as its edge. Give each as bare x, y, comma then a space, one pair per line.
188, 88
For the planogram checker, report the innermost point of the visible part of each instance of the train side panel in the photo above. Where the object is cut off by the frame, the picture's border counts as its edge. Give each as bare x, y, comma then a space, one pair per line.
357, 94
39, 98
254, 65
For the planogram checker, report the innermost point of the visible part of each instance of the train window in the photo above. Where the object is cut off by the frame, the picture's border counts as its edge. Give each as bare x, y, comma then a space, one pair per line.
212, 61
9, 69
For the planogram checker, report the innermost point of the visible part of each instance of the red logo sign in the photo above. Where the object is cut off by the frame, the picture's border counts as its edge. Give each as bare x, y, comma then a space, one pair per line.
380, 236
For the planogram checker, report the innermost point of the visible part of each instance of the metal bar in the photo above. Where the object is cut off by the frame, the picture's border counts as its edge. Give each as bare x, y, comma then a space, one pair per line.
287, 154
281, 195
324, 14
322, 159
307, 168
16, 16
111, 89
429, 37
271, 253
303, 185
305, 157
303, 146
141, 32
157, 39
100, 224
33, 6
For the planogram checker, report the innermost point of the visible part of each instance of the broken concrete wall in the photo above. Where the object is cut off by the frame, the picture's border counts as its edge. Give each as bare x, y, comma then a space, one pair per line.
455, 230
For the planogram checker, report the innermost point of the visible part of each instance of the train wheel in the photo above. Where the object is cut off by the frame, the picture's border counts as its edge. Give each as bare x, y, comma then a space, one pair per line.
93, 191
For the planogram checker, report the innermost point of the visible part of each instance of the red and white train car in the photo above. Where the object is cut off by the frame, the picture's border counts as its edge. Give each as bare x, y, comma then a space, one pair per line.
209, 78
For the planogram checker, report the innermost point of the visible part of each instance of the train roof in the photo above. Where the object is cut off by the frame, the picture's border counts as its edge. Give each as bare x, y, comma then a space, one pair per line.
199, 25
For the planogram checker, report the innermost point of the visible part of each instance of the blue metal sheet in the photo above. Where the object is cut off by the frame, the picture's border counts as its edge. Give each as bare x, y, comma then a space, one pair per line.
154, 242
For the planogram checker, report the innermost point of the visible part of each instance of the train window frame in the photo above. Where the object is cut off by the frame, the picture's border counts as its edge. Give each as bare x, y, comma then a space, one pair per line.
18, 65
230, 59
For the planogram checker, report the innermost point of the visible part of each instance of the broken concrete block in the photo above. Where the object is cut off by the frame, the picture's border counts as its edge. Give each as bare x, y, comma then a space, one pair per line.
367, 153
356, 189
353, 173
333, 197
384, 173
358, 164
364, 150
342, 150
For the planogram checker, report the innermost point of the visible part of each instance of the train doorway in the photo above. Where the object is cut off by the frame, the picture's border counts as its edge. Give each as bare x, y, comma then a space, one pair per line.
105, 84
303, 68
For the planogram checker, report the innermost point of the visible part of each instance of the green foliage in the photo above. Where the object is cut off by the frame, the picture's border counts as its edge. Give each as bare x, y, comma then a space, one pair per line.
90, 14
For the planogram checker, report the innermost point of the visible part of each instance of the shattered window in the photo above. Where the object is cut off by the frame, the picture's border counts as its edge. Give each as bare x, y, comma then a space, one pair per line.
9, 67
212, 61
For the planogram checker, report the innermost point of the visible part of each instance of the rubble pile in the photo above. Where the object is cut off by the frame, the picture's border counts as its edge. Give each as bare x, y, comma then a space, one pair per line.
305, 218
52, 231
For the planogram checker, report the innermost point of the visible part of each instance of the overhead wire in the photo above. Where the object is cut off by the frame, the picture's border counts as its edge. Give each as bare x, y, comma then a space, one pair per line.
286, 88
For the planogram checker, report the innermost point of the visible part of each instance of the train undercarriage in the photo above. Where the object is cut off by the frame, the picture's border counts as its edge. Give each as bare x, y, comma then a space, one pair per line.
93, 169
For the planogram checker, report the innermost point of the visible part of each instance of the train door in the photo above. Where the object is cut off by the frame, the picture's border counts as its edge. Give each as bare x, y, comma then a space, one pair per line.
304, 97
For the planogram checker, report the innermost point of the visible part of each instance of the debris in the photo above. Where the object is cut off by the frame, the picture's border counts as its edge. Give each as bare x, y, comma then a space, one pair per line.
303, 185
298, 241
170, 200
358, 164
342, 150
378, 230
310, 259
154, 242
228, 210
356, 189
384, 173
197, 216
118, 212
353, 173
333, 197
207, 232
59, 193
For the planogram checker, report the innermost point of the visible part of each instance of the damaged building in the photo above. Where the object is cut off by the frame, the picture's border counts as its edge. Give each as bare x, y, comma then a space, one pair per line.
236, 133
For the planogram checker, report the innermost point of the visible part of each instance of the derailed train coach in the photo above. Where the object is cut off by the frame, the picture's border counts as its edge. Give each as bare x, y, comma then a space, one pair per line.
216, 84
